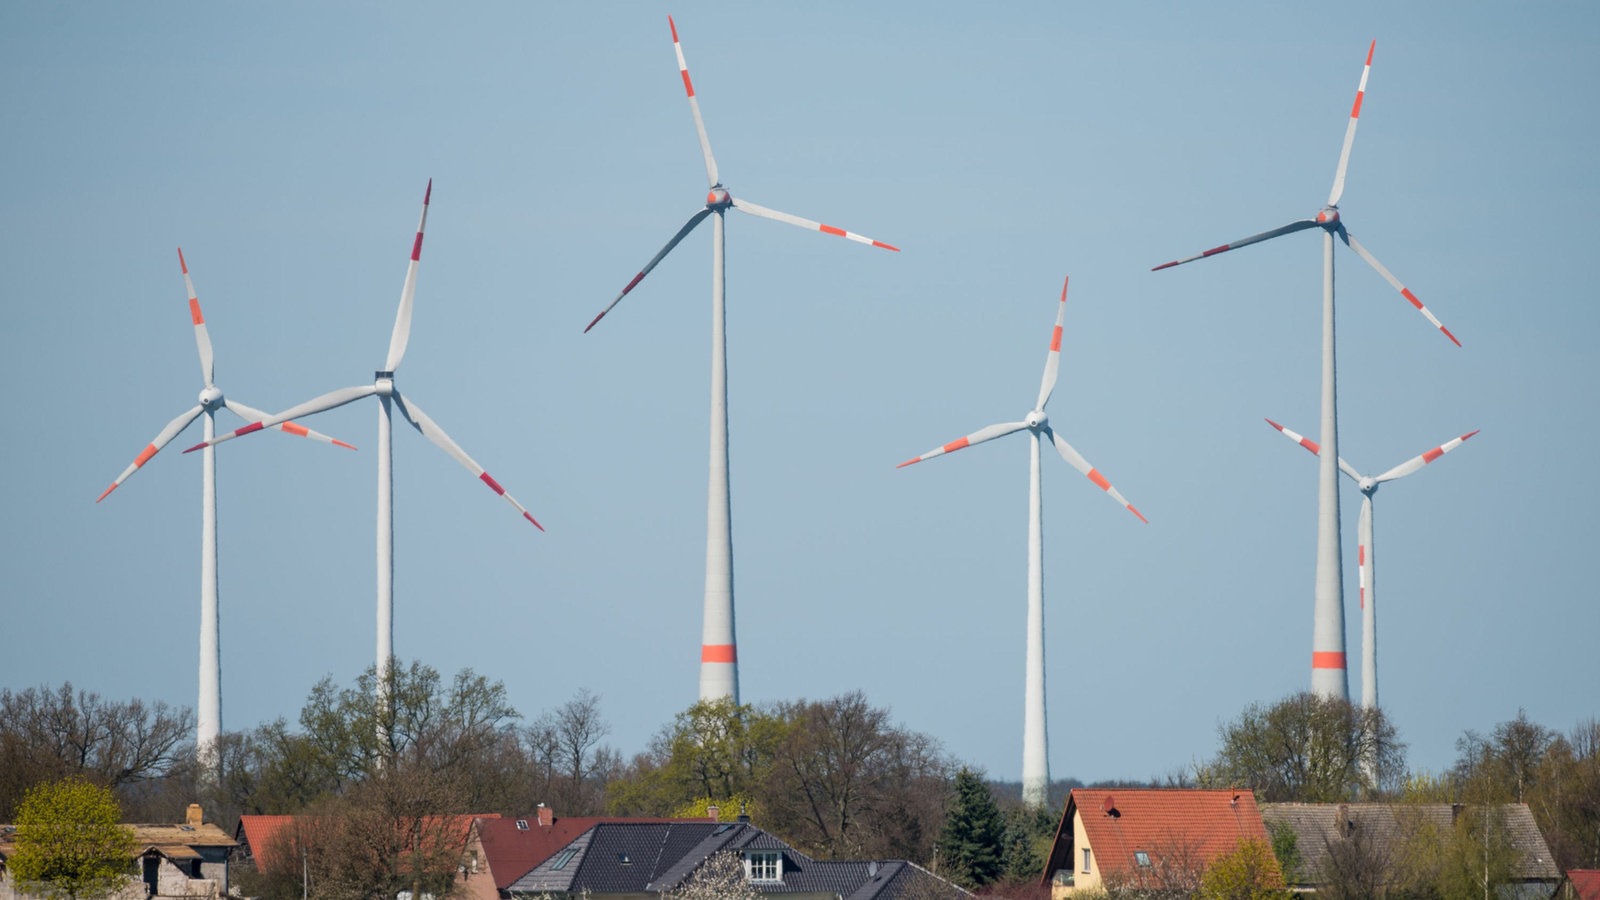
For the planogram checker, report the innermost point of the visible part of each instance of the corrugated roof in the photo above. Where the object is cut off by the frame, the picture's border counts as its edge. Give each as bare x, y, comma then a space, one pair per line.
1318, 826
1197, 825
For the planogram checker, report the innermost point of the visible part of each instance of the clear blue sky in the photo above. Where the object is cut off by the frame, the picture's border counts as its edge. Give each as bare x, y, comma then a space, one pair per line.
1002, 146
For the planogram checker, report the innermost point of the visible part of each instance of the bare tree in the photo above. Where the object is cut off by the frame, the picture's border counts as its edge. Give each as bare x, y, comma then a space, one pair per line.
49, 734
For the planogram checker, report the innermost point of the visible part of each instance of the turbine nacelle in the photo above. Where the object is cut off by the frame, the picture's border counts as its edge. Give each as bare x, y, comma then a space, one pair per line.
718, 198
384, 383
1368, 485
211, 398
1328, 217
1036, 420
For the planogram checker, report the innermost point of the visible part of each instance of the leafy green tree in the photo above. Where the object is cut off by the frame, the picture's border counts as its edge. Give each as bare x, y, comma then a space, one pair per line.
1307, 748
1248, 872
715, 750
972, 843
70, 842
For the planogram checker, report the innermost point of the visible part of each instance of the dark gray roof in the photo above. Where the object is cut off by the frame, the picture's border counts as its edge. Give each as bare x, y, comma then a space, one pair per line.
631, 858
1317, 826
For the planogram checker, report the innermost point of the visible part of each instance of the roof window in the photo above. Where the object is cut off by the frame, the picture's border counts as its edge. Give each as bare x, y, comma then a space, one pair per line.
522, 824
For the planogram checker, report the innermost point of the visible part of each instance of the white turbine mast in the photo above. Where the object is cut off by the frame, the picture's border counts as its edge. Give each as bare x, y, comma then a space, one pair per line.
389, 397
719, 656
208, 711
1329, 677
1035, 743
1366, 551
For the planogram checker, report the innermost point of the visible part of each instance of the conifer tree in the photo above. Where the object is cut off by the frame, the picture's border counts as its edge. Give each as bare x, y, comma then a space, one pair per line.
972, 842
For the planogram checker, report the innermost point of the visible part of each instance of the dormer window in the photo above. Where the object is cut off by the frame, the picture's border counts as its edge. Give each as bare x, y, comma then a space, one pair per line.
763, 865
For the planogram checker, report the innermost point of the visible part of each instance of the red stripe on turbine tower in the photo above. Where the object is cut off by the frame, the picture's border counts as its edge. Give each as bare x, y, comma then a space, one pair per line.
719, 653
1323, 659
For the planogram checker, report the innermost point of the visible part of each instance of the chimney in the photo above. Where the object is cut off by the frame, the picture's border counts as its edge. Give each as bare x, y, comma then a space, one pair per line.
547, 816
743, 819
192, 815
712, 812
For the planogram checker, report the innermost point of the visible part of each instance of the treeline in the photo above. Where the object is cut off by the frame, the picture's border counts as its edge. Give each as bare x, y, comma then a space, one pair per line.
837, 777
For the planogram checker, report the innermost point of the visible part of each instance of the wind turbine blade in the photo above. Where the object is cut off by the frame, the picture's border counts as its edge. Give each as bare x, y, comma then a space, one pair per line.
1290, 228
251, 414
151, 449
1364, 548
694, 106
683, 232
1350, 132
431, 430
1052, 361
977, 437
1076, 460
202, 337
1417, 462
309, 408
756, 209
402, 319
1388, 276
1311, 445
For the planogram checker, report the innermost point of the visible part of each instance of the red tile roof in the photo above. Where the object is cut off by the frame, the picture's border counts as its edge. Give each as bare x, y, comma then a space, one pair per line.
1585, 883
1165, 824
261, 834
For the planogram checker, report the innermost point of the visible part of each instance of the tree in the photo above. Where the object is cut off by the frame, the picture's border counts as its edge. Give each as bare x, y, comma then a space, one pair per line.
845, 782
720, 877
46, 735
715, 751
70, 842
972, 842
1307, 748
1248, 872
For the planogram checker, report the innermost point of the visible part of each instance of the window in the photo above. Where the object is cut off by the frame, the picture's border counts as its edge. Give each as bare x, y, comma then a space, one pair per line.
1086, 859
1142, 858
522, 824
563, 858
766, 865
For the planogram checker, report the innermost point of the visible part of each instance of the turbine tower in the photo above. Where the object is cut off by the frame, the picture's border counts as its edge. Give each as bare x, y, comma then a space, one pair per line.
1035, 744
1329, 677
1366, 554
389, 397
719, 656
208, 711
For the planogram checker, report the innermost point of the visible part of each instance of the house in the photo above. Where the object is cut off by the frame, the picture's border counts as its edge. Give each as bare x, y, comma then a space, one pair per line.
641, 861
263, 840
499, 850
1146, 837
1326, 832
188, 860
1580, 884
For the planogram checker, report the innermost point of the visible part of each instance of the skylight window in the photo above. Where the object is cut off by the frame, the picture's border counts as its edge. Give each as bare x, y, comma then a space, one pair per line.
562, 859
1142, 858
522, 824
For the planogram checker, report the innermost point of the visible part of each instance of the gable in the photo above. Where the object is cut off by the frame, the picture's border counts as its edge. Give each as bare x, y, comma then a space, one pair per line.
1134, 833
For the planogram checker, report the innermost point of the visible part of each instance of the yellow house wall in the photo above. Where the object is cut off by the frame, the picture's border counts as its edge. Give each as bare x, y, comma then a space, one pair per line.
1081, 880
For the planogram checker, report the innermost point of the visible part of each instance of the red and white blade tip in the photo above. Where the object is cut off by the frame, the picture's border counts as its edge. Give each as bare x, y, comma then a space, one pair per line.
428, 195
1297, 437
181, 264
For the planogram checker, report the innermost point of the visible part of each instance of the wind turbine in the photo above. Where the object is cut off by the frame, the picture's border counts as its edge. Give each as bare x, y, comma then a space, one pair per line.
209, 709
719, 657
1366, 552
1035, 747
388, 395
1328, 674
